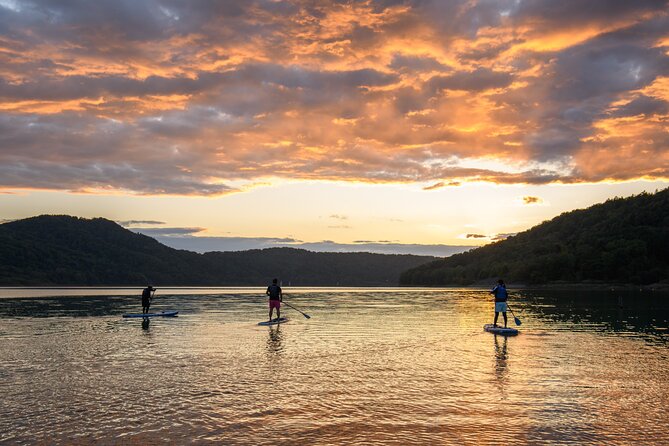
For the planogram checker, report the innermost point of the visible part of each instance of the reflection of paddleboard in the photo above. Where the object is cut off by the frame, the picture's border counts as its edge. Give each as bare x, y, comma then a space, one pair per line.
274, 321
500, 330
163, 313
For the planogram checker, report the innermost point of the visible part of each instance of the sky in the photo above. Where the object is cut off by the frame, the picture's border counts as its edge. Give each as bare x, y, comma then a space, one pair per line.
409, 126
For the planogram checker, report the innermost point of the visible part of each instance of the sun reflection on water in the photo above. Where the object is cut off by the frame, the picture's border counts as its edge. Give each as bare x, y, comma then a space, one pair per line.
380, 367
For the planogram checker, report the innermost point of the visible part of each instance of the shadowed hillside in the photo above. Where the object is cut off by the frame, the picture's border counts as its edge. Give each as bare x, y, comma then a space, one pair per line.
64, 250
624, 240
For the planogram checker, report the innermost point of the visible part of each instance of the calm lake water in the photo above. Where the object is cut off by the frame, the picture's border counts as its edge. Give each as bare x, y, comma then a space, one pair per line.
371, 366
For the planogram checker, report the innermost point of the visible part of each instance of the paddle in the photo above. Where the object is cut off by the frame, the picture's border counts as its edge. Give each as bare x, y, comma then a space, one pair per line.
303, 314
515, 319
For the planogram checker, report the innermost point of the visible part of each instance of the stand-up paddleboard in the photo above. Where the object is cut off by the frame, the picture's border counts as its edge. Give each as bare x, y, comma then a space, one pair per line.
161, 314
500, 330
275, 321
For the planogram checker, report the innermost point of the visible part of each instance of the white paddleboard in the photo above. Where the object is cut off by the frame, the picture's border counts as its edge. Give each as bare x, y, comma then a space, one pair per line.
161, 314
500, 330
274, 321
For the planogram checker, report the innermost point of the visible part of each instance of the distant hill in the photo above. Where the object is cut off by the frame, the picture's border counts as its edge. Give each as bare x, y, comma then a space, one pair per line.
63, 250
619, 241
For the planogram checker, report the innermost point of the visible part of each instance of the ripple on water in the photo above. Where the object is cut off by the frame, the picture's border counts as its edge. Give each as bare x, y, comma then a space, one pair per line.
409, 367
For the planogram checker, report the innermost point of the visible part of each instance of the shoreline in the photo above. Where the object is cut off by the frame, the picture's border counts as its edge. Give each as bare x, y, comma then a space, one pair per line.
481, 285
581, 286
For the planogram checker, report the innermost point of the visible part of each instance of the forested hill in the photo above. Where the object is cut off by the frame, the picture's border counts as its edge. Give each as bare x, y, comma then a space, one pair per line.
63, 250
619, 241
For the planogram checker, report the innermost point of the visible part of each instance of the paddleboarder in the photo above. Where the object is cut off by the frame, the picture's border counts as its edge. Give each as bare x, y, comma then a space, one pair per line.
147, 296
275, 298
501, 295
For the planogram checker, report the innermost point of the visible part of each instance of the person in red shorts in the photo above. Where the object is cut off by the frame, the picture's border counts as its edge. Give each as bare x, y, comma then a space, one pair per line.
275, 298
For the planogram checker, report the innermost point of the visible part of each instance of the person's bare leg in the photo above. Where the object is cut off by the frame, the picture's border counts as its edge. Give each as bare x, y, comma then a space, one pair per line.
496, 316
505, 320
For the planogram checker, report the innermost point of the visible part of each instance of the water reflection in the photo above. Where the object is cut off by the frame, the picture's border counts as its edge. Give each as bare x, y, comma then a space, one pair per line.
373, 369
66, 306
501, 363
616, 311
145, 323
274, 340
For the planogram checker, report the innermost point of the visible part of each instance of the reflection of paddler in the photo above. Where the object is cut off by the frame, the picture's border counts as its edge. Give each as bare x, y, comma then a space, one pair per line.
500, 351
275, 339
147, 296
501, 359
501, 295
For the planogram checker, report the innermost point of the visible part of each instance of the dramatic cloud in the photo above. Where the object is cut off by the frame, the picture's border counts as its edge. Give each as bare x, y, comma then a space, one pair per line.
186, 241
208, 244
532, 200
499, 237
167, 232
128, 223
209, 98
441, 184
493, 238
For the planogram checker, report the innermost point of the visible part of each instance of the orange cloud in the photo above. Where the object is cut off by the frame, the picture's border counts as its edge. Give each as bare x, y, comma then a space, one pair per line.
532, 200
162, 98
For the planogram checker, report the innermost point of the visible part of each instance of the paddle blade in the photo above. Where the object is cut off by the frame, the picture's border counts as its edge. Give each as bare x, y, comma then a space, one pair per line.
517, 321
299, 311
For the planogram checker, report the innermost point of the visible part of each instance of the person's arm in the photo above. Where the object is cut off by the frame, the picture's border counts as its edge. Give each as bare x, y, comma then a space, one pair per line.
280, 295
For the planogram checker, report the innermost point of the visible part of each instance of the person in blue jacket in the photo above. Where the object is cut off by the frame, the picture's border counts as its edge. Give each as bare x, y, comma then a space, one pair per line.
501, 295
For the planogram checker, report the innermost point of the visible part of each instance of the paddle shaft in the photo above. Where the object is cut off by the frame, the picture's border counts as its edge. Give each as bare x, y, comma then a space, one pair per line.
515, 319
299, 311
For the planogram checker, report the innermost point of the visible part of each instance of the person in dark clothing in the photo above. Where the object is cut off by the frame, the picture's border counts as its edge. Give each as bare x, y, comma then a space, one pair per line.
275, 298
501, 295
147, 296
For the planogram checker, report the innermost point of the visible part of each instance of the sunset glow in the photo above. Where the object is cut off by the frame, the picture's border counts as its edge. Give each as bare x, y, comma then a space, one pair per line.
402, 117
